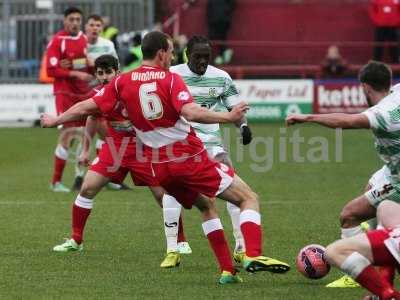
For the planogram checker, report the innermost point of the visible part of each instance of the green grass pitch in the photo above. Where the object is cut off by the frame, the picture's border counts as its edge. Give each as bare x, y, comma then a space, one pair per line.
124, 242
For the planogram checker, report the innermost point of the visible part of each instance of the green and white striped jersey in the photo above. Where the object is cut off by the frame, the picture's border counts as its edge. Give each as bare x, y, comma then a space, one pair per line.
101, 47
384, 119
212, 90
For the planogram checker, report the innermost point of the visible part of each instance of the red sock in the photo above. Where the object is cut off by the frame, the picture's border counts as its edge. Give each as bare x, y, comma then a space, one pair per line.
372, 281
252, 238
221, 250
79, 217
181, 233
59, 165
387, 273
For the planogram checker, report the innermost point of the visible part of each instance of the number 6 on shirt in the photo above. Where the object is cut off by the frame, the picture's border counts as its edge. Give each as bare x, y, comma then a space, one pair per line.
150, 102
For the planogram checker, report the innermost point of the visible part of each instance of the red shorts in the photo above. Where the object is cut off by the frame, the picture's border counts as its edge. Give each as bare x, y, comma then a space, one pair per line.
111, 166
186, 179
63, 103
380, 252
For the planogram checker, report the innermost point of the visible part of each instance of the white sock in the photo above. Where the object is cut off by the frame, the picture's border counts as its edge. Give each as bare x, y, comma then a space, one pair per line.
234, 212
211, 225
349, 232
354, 264
61, 152
171, 213
99, 144
250, 215
84, 202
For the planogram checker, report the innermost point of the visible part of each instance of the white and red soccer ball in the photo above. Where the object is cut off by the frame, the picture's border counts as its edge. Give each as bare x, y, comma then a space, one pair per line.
311, 262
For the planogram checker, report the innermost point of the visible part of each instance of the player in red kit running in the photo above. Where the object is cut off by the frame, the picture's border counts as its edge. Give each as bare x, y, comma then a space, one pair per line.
158, 105
70, 85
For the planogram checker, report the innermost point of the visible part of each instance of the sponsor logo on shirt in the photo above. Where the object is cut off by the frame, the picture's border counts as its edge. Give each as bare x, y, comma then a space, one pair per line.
183, 96
79, 63
395, 115
212, 92
53, 61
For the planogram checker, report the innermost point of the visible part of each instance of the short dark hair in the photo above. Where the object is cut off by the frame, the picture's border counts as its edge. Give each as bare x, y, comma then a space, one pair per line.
106, 61
376, 74
153, 42
96, 18
196, 39
72, 10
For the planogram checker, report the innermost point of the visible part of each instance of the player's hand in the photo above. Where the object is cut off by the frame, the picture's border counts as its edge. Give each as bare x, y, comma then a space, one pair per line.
65, 63
238, 111
296, 119
48, 121
83, 159
82, 75
246, 134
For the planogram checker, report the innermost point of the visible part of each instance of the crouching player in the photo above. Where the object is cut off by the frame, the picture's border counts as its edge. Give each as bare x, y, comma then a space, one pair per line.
383, 119
358, 256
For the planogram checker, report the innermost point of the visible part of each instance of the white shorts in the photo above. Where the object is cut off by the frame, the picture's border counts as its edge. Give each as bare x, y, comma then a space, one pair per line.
214, 150
381, 188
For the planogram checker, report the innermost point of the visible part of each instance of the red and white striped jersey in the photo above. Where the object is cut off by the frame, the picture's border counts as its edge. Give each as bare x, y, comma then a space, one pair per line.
153, 98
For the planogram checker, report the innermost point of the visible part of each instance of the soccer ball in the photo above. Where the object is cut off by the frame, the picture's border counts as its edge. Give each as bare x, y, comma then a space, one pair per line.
311, 262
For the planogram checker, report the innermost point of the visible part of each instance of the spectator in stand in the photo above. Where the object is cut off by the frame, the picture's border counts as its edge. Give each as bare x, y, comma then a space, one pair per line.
385, 14
219, 19
333, 65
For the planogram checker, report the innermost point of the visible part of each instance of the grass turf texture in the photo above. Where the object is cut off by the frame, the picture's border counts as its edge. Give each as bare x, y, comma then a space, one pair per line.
124, 242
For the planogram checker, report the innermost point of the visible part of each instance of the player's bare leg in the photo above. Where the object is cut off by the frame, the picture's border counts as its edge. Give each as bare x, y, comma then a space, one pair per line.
234, 213
388, 214
241, 195
81, 209
353, 214
212, 228
354, 257
173, 228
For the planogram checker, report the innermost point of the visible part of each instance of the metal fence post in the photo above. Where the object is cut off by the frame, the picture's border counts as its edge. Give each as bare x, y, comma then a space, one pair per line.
97, 7
5, 39
150, 14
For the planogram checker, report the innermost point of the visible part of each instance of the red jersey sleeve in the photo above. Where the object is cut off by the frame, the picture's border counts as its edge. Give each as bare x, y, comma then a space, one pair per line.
53, 59
106, 98
180, 94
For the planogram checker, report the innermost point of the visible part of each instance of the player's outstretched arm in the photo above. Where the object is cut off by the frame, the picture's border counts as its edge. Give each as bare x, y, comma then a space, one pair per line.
74, 113
195, 113
335, 120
